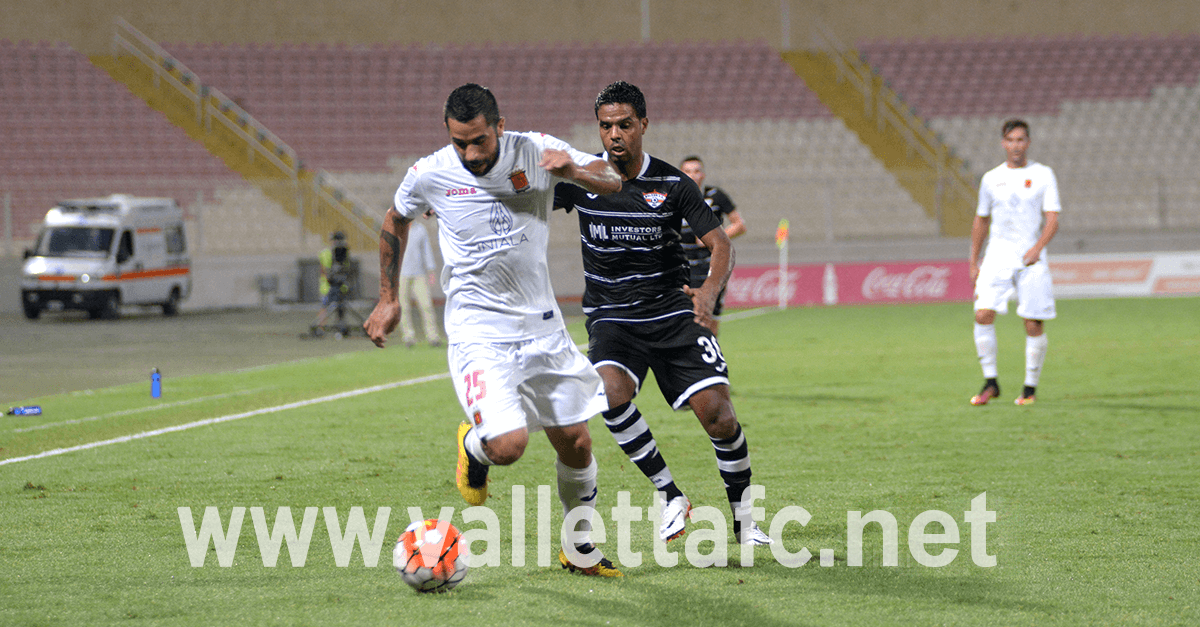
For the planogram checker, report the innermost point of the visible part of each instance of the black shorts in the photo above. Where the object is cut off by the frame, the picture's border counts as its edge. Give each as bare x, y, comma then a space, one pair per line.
684, 356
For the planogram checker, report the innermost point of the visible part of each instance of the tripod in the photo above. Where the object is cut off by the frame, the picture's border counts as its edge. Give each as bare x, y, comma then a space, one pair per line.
340, 296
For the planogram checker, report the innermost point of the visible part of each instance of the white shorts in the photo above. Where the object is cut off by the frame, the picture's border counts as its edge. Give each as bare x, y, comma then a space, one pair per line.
998, 283
531, 384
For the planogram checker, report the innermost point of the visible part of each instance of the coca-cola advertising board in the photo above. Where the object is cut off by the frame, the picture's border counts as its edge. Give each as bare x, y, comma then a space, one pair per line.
758, 286
1076, 276
920, 282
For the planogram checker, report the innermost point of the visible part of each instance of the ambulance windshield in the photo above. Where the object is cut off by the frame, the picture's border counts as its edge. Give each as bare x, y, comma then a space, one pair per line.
75, 241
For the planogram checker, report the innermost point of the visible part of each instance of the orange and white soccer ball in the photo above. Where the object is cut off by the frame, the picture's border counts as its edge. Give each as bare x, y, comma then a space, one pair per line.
428, 556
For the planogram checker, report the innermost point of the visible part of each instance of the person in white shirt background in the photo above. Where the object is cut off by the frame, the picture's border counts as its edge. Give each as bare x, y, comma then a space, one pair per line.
418, 272
1018, 216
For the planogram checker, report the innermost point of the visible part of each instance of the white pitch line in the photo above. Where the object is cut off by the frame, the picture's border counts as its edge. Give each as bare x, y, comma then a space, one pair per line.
213, 421
748, 313
139, 410
278, 408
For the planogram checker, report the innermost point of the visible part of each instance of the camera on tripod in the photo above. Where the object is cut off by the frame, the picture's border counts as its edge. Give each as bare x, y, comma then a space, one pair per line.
339, 271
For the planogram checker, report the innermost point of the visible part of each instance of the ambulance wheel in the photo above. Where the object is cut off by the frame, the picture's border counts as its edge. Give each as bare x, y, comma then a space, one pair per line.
110, 309
32, 311
171, 307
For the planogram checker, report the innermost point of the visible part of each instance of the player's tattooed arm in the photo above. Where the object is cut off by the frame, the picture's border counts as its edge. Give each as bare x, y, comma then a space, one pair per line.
390, 266
392, 241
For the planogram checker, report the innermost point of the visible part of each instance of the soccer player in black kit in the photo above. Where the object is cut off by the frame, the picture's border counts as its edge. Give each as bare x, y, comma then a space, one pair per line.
642, 315
696, 252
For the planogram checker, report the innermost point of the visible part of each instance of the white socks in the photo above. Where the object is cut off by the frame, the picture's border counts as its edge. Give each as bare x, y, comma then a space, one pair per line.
474, 448
985, 346
577, 488
1035, 356
1035, 353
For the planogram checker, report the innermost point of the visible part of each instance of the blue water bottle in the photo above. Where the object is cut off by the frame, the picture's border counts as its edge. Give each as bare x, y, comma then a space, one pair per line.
155, 384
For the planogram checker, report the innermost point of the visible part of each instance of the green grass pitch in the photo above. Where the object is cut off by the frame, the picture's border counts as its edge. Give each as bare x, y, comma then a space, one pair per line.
1095, 487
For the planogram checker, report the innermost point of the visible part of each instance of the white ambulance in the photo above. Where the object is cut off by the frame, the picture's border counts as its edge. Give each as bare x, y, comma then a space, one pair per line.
97, 254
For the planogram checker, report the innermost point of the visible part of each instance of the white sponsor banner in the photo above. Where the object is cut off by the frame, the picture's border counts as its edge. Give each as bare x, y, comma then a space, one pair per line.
1149, 274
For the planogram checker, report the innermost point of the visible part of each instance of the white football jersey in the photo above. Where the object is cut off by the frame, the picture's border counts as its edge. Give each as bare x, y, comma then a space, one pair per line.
1015, 199
493, 235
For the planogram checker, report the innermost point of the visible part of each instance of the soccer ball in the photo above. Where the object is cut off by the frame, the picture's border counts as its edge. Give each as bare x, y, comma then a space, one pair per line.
428, 558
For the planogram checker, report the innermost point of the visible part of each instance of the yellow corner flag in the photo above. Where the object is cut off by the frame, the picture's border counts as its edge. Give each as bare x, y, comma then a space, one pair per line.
781, 233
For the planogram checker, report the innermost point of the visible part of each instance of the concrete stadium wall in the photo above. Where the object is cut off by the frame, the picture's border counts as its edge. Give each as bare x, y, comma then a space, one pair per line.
783, 23
223, 281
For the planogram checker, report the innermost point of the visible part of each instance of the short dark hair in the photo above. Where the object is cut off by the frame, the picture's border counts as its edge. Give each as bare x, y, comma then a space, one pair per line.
695, 158
621, 92
471, 101
1012, 124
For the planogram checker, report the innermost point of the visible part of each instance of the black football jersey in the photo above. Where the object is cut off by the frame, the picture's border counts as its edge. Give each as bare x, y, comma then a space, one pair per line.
633, 262
697, 253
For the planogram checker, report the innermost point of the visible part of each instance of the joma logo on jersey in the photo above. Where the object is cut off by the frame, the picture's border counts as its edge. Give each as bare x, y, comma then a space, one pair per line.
460, 191
654, 198
598, 231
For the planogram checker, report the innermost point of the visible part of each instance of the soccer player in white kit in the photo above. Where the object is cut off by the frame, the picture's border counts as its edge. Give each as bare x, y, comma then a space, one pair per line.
1018, 216
417, 271
515, 369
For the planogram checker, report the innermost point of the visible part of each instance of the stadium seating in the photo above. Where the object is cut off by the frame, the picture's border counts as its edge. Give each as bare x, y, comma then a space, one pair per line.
70, 131
1117, 118
944, 78
812, 171
381, 99
352, 108
365, 112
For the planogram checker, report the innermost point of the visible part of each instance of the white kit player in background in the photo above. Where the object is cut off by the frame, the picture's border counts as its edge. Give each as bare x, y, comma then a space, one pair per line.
1018, 216
417, 274
515, 368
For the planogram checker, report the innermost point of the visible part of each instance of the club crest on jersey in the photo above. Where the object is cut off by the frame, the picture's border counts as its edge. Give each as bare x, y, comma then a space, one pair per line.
519, 181
1028, 183
654, 198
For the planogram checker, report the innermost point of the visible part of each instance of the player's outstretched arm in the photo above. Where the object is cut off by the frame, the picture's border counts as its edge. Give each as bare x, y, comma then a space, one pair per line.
736, 226
392, 241
705, 297
598, 177
1048, 231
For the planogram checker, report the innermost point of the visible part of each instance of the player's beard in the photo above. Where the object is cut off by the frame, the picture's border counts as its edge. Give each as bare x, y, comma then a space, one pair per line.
619, 159
480, 167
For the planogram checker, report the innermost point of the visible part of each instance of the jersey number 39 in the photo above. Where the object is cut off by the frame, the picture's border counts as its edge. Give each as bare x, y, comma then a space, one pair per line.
712, 352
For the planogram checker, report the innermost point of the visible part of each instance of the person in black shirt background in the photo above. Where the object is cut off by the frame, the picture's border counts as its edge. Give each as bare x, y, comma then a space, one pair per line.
697, 253
642, 314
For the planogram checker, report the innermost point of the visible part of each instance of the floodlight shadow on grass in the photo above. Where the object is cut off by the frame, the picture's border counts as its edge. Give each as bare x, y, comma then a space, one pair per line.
978, 587
643, 603
822, 398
